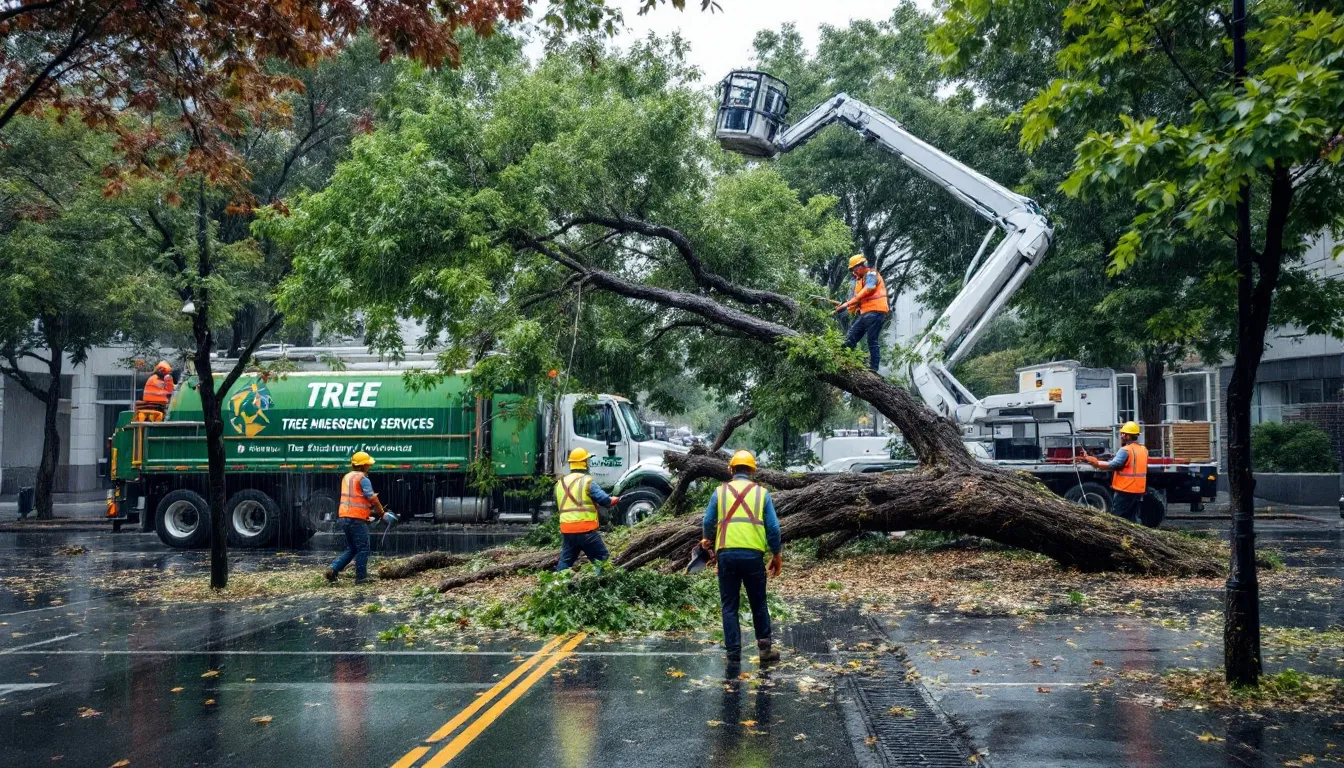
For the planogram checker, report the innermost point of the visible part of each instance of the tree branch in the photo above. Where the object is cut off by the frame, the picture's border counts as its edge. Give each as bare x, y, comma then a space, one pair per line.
20, 376
77, 41
21, 9
241, 364
702, 276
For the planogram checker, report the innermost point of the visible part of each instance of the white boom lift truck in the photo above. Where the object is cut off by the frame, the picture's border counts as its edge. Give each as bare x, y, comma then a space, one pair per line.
1036, 421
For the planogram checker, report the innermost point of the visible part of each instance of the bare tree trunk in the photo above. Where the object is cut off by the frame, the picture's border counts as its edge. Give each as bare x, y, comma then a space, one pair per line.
1154, 395
51, 439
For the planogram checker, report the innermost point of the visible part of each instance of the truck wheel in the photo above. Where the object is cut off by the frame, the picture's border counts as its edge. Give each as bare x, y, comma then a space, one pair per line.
1152, 511
638, 504
319, 511
182, 520
1092, 495
254, 519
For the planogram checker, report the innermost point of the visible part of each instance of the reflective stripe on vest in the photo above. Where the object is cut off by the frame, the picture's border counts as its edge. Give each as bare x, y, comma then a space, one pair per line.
877, 300
158, 389
578, 511
1133, 477
353, 502
741, 516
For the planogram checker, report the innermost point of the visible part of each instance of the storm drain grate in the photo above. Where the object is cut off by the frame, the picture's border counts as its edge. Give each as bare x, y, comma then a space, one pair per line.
910, 731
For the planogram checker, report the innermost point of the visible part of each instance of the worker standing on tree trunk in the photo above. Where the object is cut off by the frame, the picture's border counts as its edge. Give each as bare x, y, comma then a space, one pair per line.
1129, 467
739, 527
870, 302
577, 497
159, 387
359, 504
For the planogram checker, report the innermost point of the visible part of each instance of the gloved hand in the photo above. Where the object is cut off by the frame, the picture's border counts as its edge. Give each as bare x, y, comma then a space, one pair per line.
776, 565
614, 501
708, 546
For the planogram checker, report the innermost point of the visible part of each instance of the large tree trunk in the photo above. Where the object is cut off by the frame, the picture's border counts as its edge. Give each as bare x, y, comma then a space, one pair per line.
1154, 393
51, 439
210, 401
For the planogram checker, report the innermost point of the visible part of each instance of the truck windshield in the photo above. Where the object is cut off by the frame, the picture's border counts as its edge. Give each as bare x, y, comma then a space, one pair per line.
633, 424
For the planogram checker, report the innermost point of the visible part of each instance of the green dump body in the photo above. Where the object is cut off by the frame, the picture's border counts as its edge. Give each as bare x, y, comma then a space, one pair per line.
315, 421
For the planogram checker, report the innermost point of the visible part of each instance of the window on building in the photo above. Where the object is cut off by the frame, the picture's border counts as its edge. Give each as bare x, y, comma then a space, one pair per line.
116, 389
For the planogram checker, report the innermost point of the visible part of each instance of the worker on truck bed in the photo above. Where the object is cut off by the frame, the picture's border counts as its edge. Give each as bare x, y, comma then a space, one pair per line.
870, 302
159, 387
577, 497
739, 527
1129, 478
359, 504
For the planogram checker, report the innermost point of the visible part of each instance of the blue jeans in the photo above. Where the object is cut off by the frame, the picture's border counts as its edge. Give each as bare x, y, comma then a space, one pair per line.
590, 544
868, 324
1126, 505
742, 568
356, 547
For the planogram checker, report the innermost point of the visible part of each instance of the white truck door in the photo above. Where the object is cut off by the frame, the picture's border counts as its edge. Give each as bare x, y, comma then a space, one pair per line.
597, 429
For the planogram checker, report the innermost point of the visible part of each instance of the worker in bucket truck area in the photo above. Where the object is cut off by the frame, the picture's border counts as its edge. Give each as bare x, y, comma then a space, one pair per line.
870, 302
1129, 468
359, 505
577, 497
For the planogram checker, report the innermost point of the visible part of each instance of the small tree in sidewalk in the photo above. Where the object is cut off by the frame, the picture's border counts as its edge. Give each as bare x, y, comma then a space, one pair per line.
1255, 164
75, 272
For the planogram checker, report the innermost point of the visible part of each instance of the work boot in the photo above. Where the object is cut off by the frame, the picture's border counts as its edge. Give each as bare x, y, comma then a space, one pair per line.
330, 576
767, 650
364, 580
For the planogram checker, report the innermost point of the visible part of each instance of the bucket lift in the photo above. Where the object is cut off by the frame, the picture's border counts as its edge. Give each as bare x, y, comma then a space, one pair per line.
751, 121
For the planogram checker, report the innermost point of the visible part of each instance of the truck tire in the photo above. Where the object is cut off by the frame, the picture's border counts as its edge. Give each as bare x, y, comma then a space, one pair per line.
1153, 510
254, 519
1094, 495
182, 520
319, 511
637, 504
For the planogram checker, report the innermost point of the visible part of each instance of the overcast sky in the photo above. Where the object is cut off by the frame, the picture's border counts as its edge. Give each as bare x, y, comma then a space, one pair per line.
721, 41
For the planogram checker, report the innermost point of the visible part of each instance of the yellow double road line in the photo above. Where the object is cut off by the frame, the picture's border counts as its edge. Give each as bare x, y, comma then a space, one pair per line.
543, 661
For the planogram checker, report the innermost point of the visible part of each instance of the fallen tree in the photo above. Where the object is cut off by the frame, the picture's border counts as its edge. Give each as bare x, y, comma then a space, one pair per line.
949, 491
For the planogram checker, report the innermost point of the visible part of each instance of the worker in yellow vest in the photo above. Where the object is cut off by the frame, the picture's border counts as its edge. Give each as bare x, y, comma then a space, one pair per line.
577, 497
359, 505
869, 300
740, 526
1129, 468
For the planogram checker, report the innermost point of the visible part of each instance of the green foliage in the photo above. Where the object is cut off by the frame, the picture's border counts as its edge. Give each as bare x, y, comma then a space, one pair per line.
993, 373
436, 216
545, 535
612, 601
1297, 446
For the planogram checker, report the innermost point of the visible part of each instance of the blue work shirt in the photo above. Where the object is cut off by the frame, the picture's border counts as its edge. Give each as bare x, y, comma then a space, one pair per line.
600, 497
1118, 460
366, 488
711, 523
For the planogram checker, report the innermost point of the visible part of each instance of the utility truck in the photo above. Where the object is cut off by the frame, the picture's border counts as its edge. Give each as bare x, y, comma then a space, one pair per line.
441, 453
1037, 428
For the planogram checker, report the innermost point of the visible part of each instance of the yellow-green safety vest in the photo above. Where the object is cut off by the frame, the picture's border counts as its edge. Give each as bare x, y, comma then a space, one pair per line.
742, 516
578, 511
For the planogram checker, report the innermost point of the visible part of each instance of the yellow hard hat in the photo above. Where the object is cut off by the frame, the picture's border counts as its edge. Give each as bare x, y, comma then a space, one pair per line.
743, 459
579, 457
857, 259
1129, 428
361, 459
163, 367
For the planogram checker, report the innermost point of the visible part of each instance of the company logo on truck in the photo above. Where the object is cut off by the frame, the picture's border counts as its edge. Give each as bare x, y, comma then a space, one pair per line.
247, 409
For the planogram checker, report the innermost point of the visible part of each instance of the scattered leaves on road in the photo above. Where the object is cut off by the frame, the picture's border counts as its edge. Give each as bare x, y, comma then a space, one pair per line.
675, 673
800, 737
1206, 736
262, 720
210, 673
121, 764
88, 712
749, 723
713, 723
176, 689
1042, 689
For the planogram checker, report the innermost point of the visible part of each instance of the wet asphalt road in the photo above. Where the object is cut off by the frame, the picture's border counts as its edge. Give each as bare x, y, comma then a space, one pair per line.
89, 678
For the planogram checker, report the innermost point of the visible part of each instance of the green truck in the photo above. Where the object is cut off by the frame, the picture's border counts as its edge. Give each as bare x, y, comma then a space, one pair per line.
441, 453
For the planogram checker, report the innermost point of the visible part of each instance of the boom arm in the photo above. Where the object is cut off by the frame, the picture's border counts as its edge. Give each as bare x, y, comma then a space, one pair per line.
984, 293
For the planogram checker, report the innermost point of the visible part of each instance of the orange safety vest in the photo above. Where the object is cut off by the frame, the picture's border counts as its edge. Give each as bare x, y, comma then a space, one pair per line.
158, 389
578, 511
353, 501
1133, 477
877, 300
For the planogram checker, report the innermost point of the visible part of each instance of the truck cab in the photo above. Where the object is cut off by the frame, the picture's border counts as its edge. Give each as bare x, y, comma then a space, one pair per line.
627, 460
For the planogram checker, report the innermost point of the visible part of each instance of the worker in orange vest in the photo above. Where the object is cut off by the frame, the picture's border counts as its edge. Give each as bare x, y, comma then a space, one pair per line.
159, 387
577, 497
1129, 478
870, 302
359, 505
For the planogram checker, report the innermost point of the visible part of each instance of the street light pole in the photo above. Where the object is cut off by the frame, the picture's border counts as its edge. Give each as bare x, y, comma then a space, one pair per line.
1241, 620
